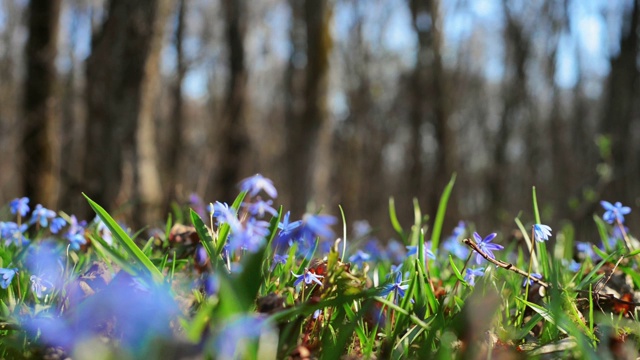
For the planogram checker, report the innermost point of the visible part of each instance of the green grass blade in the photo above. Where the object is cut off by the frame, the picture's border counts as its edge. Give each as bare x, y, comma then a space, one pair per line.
223, 231
121, 236
344, 233
394, 220
536, 213
112, 253
203, 234
442, 209
456, 272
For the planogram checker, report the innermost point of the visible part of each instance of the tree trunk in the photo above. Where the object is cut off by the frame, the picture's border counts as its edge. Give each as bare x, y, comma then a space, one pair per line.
122, 71
621, 113
40, 158
514, 93
176, 123
430, 97
233, 138
306, 107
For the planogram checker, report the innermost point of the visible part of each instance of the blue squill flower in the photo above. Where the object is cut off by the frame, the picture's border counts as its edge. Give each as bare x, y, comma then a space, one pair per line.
57, 224
254, 184
614, 212
541, 232
470, 275
486, 246
260, 207
13, 234
359, 257
413, 250
233, 338
137, 312
534, 275
19, 206
42, 215
308, 277
6, 275
396, 287
317, 226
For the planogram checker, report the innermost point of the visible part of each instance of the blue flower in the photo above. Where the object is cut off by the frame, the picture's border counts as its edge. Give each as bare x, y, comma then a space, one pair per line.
308, 277
12, 233
470, 276
278, 259
287, 226
486, 246
459, 230
196, 203
413, 250
40, 286
251, 237
534, 275
104, 231
226, 215
45, 261
455, 247
541, 232
586, 249
394, 251
210, 284
372, 247
359, 257
574, 266
287, 231
260, 207
6, 275
136, 310
57, 224
231, 341
20, 206
253, 185
75, 233
614, 212
396, 287
42, 215
76, 241
317, 226
361, 228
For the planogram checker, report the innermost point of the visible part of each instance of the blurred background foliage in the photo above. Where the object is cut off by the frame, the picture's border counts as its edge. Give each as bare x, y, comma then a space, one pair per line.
141, 103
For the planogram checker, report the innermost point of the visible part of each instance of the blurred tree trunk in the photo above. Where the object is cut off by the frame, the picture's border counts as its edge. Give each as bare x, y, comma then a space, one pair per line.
40, 150
122, 80
10, 100
176, 122
621, 115
306, 100
514, 94
430, 103
233, 140
72, 129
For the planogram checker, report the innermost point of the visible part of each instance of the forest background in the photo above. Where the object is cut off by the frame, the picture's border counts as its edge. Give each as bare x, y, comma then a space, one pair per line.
350, 102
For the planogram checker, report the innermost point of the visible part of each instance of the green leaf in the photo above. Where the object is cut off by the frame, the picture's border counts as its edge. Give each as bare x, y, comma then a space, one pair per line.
442, 209
223, 231
394, 220
456, 271
121, 236
546, 314
344, 233
102, 246
536, 213
524, 330
204, 235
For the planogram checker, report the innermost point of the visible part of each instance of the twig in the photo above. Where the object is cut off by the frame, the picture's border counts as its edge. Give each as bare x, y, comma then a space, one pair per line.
504, 265
508, 266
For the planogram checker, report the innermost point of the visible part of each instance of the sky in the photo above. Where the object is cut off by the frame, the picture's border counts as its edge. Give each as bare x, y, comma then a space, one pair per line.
593, 35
